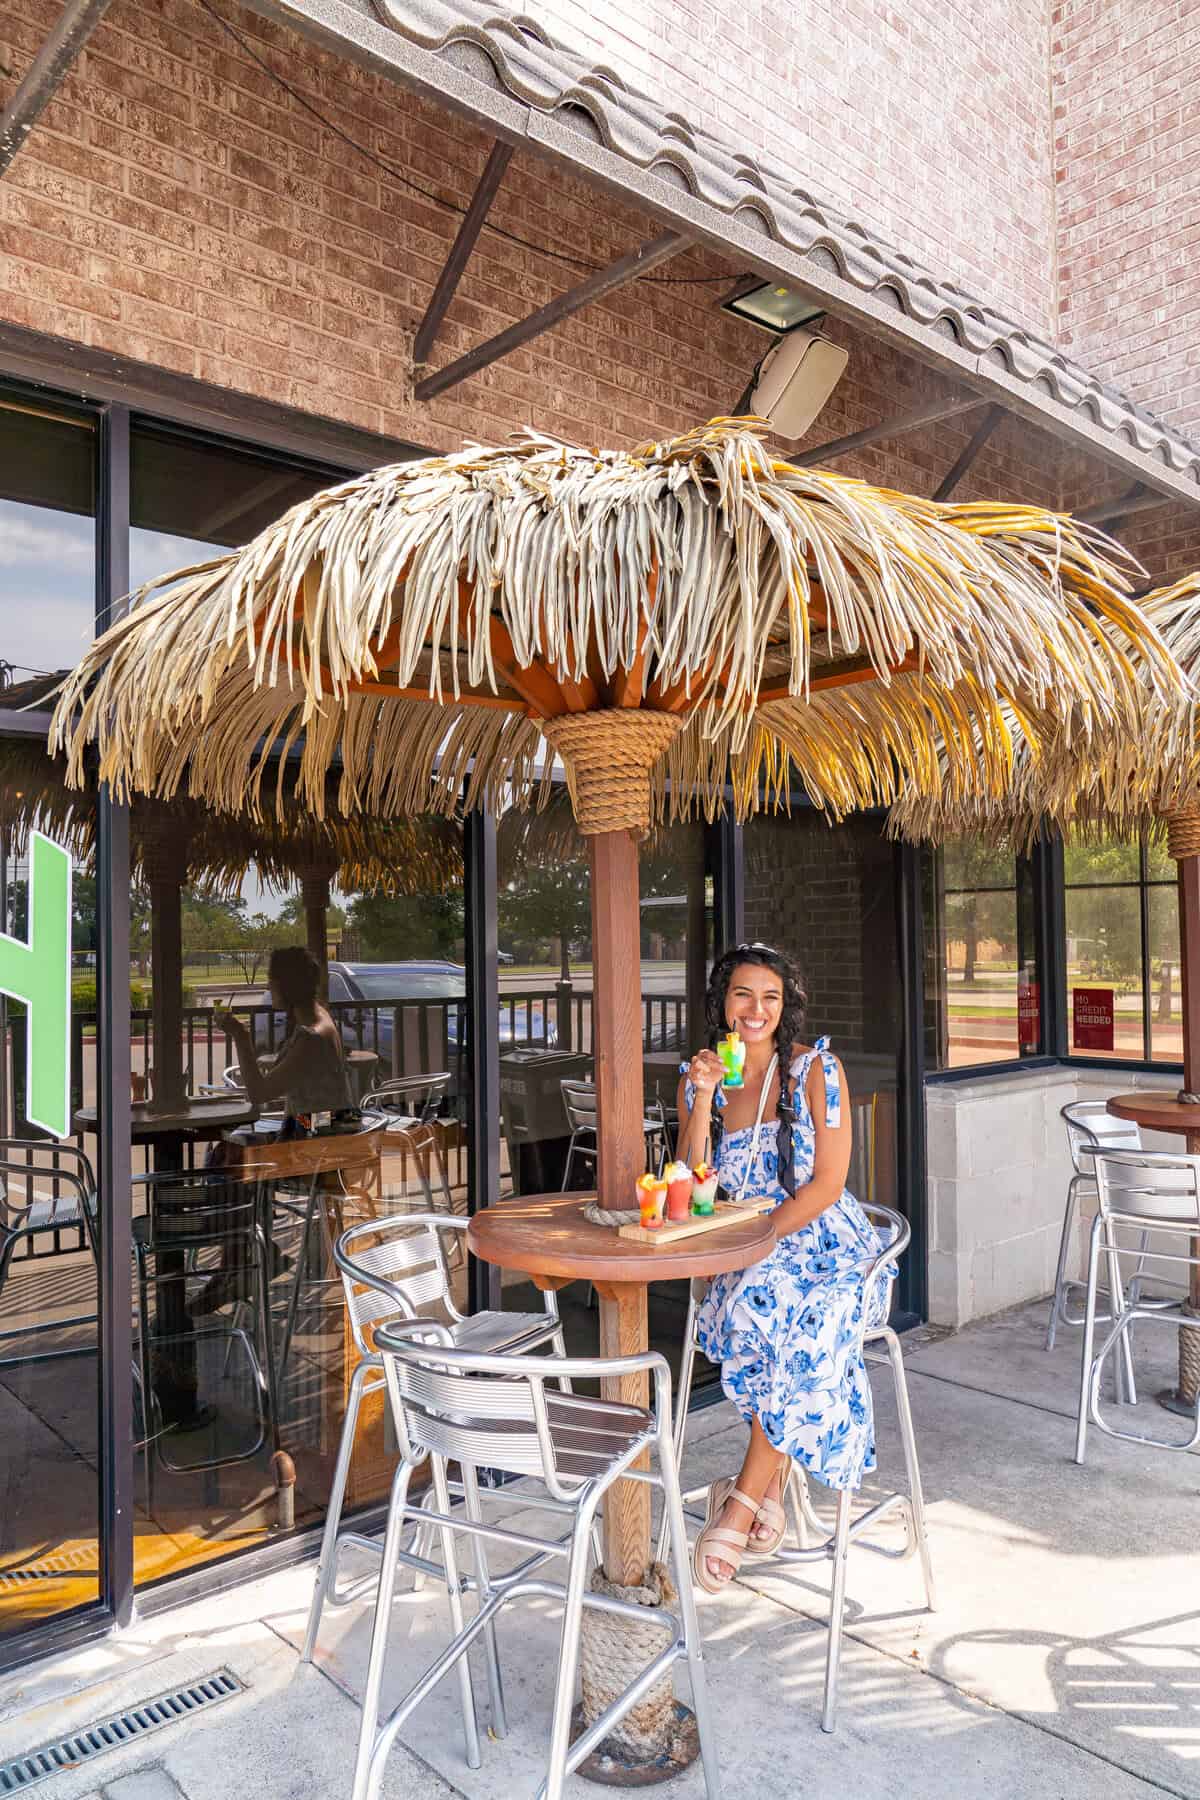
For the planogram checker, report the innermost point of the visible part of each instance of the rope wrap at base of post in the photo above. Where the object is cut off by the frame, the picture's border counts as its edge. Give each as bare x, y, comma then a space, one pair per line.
1189, 1355
613, 1651
608, 756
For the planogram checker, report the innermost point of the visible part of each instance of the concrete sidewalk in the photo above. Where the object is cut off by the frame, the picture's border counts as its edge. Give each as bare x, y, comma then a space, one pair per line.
1064, 1659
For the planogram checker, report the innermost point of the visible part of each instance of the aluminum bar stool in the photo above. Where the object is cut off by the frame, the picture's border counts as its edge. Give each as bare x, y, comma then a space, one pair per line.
1156, 1194
1090, 1127
395, 1270
191, 1212
496, 1412
834, 1547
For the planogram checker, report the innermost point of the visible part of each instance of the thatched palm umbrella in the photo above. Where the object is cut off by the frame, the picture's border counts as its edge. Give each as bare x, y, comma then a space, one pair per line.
692, 616
180, 842
1147, 785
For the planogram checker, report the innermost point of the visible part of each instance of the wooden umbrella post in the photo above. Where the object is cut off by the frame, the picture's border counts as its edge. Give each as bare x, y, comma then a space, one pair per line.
164, 859
314, 893
608, 756
1183, 842
617, 1049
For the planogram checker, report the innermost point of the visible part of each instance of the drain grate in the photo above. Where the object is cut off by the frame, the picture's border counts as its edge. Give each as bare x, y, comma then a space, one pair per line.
22, 1772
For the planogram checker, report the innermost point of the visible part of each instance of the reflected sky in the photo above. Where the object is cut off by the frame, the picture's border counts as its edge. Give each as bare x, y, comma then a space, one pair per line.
47, 592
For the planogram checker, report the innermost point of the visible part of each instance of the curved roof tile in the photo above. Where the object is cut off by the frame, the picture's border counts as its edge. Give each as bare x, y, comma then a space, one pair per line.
530, 68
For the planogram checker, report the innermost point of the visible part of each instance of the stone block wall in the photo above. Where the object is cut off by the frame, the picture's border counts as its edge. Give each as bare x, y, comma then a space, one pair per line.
998, 1169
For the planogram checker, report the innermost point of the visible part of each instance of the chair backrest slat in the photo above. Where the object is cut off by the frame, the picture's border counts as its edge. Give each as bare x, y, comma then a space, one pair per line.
1089, 1122
396, 1255
1153, 1184
579, 1102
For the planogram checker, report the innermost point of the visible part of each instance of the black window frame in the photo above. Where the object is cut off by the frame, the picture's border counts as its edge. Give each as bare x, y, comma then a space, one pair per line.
1141, 886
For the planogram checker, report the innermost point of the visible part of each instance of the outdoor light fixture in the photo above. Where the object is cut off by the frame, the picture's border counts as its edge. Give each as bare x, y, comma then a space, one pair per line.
795, 377
771, 306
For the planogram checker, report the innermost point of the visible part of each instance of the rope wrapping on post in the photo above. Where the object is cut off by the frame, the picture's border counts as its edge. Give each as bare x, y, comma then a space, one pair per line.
608, 756
1189, 1355
613, 1649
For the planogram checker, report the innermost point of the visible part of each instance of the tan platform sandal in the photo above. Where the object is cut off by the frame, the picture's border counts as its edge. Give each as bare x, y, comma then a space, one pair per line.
721, 1542
771, 1516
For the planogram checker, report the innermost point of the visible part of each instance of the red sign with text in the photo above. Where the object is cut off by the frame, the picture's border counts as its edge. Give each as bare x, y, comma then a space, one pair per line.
1092, 1018
1029, 1016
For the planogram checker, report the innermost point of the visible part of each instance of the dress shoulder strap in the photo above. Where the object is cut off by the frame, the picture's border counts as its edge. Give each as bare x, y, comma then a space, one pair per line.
833, 1084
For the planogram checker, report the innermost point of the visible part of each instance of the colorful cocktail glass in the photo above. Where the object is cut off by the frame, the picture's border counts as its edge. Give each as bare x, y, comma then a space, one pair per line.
678, 1178
652, 1198
704, 1189
732, 1052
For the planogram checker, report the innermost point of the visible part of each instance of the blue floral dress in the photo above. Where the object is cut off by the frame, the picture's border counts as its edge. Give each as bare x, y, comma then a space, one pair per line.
786, 1331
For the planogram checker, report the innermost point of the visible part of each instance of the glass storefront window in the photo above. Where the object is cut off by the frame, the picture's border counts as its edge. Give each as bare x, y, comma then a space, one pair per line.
1122, 952
50, 1554
201, 941
826, 895
983, 996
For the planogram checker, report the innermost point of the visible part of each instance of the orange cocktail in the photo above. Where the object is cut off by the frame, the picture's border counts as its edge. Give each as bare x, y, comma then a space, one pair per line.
652, 1199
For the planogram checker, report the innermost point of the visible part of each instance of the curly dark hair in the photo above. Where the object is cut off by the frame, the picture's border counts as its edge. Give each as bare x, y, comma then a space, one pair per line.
789, 1031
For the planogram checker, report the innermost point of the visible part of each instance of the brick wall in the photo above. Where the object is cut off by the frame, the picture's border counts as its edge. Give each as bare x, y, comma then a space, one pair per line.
928, 121
177, 205
1127, 161
826, 897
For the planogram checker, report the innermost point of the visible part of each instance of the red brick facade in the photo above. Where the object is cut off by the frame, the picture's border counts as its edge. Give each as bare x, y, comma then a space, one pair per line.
176, 204
1127, 169
928, 122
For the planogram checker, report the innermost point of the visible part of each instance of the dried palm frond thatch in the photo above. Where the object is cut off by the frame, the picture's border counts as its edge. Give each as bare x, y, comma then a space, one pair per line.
809, 624
1147, 776
218, 849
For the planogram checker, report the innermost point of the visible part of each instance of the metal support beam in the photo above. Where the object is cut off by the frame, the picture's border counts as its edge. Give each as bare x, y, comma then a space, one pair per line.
460, 251
626, 268
1136, 500
974, 445
931, 414
78, 20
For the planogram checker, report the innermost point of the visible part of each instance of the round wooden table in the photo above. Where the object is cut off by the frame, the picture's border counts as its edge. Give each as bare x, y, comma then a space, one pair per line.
1163, 1112
547, 1237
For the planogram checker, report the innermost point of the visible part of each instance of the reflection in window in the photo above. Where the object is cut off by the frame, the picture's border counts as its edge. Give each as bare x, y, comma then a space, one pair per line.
1123, 966
49, 1297
210, 907
47, 544
983, 996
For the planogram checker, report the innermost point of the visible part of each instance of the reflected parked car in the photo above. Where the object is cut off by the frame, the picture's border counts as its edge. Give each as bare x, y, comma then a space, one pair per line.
363, 997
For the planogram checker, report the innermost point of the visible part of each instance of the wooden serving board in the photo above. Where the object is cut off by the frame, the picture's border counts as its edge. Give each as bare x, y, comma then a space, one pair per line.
725, 1213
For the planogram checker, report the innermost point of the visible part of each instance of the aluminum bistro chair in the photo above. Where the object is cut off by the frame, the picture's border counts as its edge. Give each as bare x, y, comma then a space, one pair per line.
47, 1208
579, 1103
1090, 1127
412, 1105
395, 1269
836, 1547
1156, 1194
496, 1412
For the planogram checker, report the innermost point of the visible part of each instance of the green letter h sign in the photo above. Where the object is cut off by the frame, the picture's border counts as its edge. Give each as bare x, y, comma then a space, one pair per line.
39, 973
